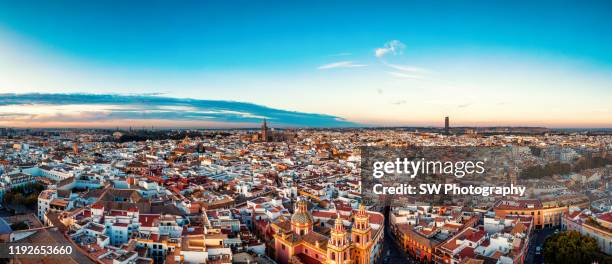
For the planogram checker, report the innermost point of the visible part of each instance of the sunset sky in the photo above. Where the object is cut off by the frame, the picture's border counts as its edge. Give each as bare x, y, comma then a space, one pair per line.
305, 63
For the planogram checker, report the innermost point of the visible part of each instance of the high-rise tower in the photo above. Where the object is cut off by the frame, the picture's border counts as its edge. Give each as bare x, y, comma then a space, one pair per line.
446, 125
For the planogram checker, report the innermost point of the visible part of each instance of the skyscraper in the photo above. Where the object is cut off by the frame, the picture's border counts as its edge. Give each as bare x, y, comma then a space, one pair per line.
446, 125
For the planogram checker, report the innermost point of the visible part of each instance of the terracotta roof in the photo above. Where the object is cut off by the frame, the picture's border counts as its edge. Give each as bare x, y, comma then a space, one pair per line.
147, 220
606, 217
313, 237
466, 252
475, 236
305, 259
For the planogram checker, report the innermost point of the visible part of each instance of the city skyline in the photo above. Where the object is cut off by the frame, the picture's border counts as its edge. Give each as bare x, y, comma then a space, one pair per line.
328, 63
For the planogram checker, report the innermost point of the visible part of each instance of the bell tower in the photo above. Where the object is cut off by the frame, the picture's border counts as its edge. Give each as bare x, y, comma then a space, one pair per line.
361, 236
264, 131
338, 247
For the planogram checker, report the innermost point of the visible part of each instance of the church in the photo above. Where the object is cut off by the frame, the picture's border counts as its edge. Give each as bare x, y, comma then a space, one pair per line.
268, 134
305, 240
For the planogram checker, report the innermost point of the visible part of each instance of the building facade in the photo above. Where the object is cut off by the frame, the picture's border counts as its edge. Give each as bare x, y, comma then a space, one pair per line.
300, 240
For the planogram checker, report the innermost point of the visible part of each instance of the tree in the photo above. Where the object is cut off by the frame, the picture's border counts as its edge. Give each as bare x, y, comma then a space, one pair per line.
18, 199
31, 200
571, 247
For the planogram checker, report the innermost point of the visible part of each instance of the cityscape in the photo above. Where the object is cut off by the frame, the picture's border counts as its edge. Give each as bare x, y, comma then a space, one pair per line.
287, 196
306, 132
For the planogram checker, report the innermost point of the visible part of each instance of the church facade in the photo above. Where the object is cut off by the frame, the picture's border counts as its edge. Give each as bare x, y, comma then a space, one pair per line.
352, 238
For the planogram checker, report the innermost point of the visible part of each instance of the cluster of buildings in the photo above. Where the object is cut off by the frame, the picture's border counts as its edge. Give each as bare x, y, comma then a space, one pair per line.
278, 196
597, 225
459, 235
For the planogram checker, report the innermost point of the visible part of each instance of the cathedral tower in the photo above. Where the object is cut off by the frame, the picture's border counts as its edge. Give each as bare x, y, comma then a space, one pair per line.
361, 236
338, 246
265, 134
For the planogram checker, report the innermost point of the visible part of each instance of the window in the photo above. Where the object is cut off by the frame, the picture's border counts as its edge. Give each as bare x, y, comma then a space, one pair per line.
283, 246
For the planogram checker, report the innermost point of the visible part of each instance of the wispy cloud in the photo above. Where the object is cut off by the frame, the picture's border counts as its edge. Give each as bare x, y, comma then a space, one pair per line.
408, 68
408, 71
33, 107
392, 47
341, 64
399, 102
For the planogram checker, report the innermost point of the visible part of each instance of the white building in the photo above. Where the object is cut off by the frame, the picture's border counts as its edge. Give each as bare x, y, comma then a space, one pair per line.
44, 200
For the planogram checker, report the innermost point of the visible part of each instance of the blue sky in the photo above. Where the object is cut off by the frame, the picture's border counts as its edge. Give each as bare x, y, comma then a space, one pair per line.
371, 62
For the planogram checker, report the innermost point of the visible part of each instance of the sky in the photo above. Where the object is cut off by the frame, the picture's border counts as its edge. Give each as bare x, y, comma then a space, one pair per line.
305, 63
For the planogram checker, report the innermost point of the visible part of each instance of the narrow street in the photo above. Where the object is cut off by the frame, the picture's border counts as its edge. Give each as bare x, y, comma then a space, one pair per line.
537, 240
392, 252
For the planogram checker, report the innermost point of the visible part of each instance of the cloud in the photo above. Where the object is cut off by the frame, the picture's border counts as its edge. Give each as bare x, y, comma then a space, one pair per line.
379, 91
399, 102
341, 64
408, 72
464, 105
409, 69
34, 107
392, 47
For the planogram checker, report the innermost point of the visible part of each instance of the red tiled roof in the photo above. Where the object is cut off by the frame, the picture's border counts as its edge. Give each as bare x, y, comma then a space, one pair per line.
118, 213
475, 236
307, 259
466, 252
606, 217
323, 214
485, 243
147, 220
574, 214
518, 205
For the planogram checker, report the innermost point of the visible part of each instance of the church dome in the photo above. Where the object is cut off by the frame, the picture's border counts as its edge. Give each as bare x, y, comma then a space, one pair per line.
301, 215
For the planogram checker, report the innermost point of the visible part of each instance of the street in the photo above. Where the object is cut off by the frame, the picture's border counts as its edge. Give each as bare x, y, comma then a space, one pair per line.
537, 240
392, 252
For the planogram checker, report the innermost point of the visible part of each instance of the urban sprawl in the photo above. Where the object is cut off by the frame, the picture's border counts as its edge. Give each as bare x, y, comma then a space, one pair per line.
287, 196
